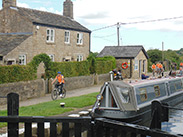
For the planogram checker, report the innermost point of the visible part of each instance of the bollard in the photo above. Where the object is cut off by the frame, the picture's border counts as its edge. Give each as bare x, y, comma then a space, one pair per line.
13, 110
159, 113
111, 75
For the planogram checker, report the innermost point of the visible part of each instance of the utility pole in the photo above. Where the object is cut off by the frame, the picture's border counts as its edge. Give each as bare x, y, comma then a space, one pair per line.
118, 26
162, 52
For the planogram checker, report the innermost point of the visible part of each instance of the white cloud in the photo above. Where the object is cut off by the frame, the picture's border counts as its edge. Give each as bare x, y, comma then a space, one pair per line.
107, 12
52, 10
23, 5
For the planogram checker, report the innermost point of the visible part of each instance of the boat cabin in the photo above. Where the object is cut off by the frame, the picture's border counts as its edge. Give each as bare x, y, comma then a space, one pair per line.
131, 96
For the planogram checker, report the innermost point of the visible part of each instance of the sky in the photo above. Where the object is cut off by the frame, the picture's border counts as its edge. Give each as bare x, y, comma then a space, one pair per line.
101, 17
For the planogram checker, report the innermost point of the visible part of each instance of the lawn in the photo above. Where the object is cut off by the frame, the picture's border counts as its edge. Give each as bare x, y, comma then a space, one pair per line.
53, 107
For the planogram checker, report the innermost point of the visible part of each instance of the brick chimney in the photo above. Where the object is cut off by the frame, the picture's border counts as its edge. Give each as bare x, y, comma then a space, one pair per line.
9, 3
68, 9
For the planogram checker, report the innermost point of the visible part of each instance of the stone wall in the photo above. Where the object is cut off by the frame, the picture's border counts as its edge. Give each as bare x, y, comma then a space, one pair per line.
37, 88
26, 90
11, 22
126, 73
100, 79
83, 81
142, 62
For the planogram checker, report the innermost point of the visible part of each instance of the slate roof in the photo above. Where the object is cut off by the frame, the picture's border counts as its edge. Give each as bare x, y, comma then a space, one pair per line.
122, 51
47, 18
10, 41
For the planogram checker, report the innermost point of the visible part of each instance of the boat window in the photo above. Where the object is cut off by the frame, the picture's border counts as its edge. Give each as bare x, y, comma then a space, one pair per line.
178, 85
175, 86
124, 94
143, 94
157, 91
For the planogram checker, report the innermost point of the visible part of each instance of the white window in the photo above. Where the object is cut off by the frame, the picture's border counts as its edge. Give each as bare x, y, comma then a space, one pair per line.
22, 59
136, 65
52, 57
79, 58
50, 35
80, 38
67, 37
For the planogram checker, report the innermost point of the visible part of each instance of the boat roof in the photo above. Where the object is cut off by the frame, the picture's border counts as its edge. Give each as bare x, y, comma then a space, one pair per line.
135, 83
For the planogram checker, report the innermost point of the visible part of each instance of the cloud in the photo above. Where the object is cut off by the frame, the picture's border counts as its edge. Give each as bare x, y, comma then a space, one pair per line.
107, 12
52, 10
23, 5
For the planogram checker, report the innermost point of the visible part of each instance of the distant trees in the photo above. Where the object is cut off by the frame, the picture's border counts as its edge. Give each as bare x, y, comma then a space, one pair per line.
155, 55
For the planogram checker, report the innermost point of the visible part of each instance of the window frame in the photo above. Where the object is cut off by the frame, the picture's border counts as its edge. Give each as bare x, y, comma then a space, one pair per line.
67, 37
145, 93
136, 64
80, 38
157, 91
50, 37
24, 59
80, 58
52, 57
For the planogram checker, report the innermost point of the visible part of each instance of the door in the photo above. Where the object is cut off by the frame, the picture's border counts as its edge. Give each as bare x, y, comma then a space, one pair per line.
140, 67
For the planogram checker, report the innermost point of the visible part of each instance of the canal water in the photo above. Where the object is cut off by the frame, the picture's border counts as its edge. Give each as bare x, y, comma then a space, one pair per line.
175, 123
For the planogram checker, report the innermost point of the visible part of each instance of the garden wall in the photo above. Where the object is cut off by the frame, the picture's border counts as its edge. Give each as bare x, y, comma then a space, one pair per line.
38, 88
26, 89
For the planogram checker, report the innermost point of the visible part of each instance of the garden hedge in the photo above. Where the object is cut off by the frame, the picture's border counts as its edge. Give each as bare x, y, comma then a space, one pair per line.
15, 73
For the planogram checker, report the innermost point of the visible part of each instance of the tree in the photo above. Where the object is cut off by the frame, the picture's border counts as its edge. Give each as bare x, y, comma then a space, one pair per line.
154, 55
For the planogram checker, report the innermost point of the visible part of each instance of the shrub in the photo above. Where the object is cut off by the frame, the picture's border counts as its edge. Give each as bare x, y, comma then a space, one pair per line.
69, 69
16, 73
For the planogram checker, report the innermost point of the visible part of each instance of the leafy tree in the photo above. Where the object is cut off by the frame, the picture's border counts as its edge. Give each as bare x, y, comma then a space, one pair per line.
154, 55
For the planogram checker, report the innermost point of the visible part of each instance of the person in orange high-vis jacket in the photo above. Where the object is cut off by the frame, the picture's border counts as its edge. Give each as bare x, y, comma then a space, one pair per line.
181, 64
161, 69
60, 82
153, 69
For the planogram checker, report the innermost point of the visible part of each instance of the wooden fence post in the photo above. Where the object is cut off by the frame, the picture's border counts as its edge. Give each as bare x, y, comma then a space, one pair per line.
13, 110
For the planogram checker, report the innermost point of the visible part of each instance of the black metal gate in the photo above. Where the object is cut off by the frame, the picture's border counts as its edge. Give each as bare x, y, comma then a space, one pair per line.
75, 127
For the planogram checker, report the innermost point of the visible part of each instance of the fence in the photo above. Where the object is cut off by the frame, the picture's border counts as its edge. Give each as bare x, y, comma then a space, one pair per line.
77, 127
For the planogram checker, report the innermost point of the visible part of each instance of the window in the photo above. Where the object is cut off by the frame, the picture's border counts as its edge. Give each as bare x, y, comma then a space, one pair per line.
1, 58
136, 65
52, 57
143, 94
67, 37
50, 35
157, 91
124, 94
22, 59
79, 38
79, 58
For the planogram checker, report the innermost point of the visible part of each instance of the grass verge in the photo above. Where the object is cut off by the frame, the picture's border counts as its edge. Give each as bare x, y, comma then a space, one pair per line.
52, 108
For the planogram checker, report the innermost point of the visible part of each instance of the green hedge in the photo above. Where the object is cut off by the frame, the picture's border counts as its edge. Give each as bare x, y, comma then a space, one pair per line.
103, 67
69, 69
15, 73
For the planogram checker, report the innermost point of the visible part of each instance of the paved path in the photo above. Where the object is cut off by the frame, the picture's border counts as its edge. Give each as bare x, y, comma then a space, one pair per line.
47, 97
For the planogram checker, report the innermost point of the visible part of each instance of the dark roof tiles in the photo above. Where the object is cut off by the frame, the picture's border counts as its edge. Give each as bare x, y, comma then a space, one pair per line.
47, 18
10, 41
122, 51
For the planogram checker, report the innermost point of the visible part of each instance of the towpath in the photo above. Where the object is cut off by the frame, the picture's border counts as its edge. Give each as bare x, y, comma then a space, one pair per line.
47, 97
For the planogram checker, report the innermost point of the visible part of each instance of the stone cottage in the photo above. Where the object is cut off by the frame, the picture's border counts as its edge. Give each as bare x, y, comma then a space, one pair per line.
132, 60
25, 33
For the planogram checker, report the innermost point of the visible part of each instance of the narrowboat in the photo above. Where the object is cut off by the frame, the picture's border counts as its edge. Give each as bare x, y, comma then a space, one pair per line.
131, 101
